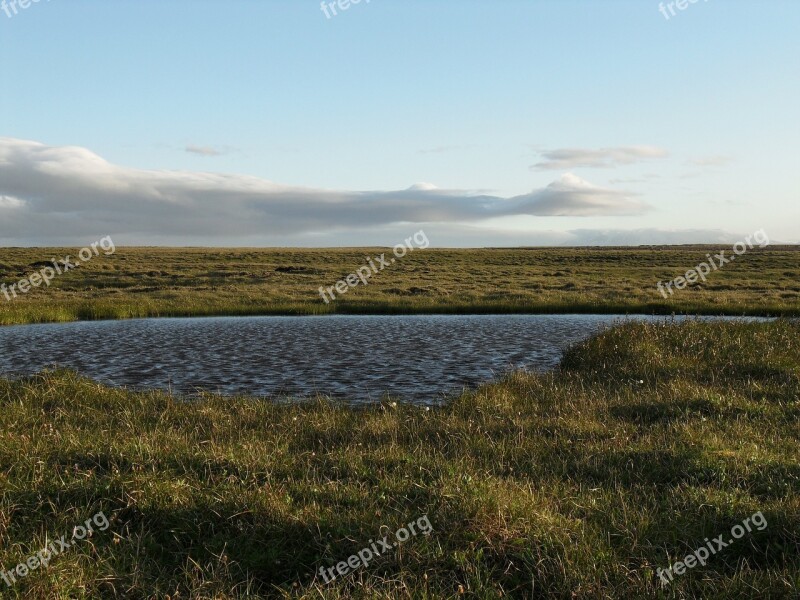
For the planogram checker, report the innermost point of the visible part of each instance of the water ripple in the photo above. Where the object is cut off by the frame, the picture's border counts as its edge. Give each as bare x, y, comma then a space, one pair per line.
361, 358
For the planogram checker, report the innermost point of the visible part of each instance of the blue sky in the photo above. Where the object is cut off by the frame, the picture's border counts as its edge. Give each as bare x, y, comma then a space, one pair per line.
538, 122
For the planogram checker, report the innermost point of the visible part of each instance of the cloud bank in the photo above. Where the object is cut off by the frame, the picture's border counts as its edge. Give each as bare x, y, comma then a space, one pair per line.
571, 158
69, 191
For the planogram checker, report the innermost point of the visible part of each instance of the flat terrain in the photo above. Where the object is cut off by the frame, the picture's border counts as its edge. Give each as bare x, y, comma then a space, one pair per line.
649, 441
146, 282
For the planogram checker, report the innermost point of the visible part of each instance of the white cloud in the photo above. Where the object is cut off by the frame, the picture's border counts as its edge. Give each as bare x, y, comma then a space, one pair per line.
204, 150
60, 192
423, 186
571, 158
571, 196
10, 202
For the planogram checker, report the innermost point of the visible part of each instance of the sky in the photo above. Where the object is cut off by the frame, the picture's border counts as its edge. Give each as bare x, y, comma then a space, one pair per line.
482, 122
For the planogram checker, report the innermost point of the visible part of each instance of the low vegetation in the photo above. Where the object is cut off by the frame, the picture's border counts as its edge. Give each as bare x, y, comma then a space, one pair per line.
578, 483
150, 282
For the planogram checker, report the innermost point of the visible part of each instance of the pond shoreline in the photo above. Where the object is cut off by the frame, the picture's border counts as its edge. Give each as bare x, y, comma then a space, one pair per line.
83, 316
360, 358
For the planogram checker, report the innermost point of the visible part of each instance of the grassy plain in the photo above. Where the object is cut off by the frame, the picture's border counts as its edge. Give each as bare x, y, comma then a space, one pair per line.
149, 282
578, 483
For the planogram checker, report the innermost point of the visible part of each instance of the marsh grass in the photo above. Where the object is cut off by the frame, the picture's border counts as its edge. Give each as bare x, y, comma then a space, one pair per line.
578, 483
160, 282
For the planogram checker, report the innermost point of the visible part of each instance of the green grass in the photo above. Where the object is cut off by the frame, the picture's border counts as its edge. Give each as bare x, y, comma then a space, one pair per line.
573, 484
148, 282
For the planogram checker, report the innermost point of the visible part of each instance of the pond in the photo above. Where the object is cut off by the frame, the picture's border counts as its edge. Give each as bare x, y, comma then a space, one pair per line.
358, 358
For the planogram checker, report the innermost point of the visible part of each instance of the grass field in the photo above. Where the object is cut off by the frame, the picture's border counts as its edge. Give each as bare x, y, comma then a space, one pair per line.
143, 282
579, 483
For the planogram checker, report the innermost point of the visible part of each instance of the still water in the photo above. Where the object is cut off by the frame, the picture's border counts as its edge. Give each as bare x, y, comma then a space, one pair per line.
358, 358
